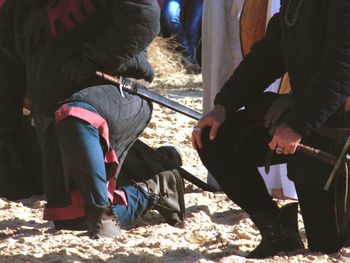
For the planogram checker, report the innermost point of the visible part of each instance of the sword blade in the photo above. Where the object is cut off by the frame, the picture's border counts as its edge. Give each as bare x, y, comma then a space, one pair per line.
138, 89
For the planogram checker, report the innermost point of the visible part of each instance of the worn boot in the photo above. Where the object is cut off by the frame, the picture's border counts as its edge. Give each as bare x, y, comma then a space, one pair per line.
102, 223
165, 193
281, 235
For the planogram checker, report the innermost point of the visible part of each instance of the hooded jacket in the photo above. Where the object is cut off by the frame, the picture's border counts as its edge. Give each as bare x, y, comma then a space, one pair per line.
40, 39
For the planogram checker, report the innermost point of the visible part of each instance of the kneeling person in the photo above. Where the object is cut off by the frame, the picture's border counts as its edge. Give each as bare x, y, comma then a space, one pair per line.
87, 126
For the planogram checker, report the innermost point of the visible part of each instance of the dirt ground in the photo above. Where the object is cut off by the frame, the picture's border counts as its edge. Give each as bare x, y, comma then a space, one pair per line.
215, 229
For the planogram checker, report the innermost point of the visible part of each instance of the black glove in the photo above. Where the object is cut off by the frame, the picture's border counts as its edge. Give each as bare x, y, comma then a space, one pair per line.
77, 70
138, 68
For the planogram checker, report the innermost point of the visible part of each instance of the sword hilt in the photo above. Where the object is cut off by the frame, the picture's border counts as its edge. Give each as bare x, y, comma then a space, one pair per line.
317, 154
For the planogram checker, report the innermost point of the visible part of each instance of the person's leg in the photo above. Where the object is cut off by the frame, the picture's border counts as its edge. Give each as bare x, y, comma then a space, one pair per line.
126, 116
53, 180
233, 161
137, 205
83, 159
163, 192
172, 16
232, 158
83, 163
192, 27
151, 185
240, 147
318, 212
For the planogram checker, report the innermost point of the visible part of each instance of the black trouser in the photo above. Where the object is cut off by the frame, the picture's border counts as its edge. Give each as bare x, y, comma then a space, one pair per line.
232, 158
318, 210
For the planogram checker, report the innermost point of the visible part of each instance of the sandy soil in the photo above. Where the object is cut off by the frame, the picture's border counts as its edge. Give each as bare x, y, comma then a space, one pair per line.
215, 229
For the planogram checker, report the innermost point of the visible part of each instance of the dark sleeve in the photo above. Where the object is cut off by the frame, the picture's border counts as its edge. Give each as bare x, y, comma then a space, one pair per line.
12, 80
135, 23
258, 69
330, 86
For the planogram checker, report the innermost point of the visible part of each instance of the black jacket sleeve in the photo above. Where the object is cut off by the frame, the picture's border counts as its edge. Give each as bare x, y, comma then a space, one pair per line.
138, 68
135, 23
330, 85
259, 68
12, 77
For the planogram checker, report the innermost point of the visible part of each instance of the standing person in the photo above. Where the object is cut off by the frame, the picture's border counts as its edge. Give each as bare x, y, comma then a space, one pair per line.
182, 19
232, 141
230, 27
221, 48
53, 48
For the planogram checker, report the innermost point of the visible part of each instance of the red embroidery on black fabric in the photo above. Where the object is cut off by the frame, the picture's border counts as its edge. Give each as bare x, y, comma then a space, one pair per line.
2, 2
66, 7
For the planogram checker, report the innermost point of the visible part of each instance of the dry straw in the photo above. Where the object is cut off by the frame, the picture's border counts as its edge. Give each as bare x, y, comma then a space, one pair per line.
169, 71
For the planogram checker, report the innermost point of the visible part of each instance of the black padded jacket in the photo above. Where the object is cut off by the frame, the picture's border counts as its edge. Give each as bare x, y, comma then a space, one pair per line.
39, 37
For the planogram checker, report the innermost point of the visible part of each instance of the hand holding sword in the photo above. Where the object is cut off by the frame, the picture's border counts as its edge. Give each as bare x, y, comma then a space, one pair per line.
285, 140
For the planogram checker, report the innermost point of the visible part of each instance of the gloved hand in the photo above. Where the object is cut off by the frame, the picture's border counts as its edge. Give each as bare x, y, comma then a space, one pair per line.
138, 67
276, 110
77, 70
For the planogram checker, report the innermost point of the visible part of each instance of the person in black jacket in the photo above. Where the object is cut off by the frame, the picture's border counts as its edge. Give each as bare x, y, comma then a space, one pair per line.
51, 49
310, 40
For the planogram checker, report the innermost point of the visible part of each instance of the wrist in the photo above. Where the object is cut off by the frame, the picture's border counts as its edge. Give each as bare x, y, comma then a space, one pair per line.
289, 129
220, 109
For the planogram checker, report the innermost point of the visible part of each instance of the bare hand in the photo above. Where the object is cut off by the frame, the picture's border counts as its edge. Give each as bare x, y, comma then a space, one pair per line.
214, 119
285, 140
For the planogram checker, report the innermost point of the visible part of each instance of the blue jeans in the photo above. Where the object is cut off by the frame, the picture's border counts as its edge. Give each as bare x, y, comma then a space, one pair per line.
188, 32
137, 205
83, 161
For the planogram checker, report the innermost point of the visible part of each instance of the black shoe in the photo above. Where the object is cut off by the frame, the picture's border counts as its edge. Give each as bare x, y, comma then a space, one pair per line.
281, 235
